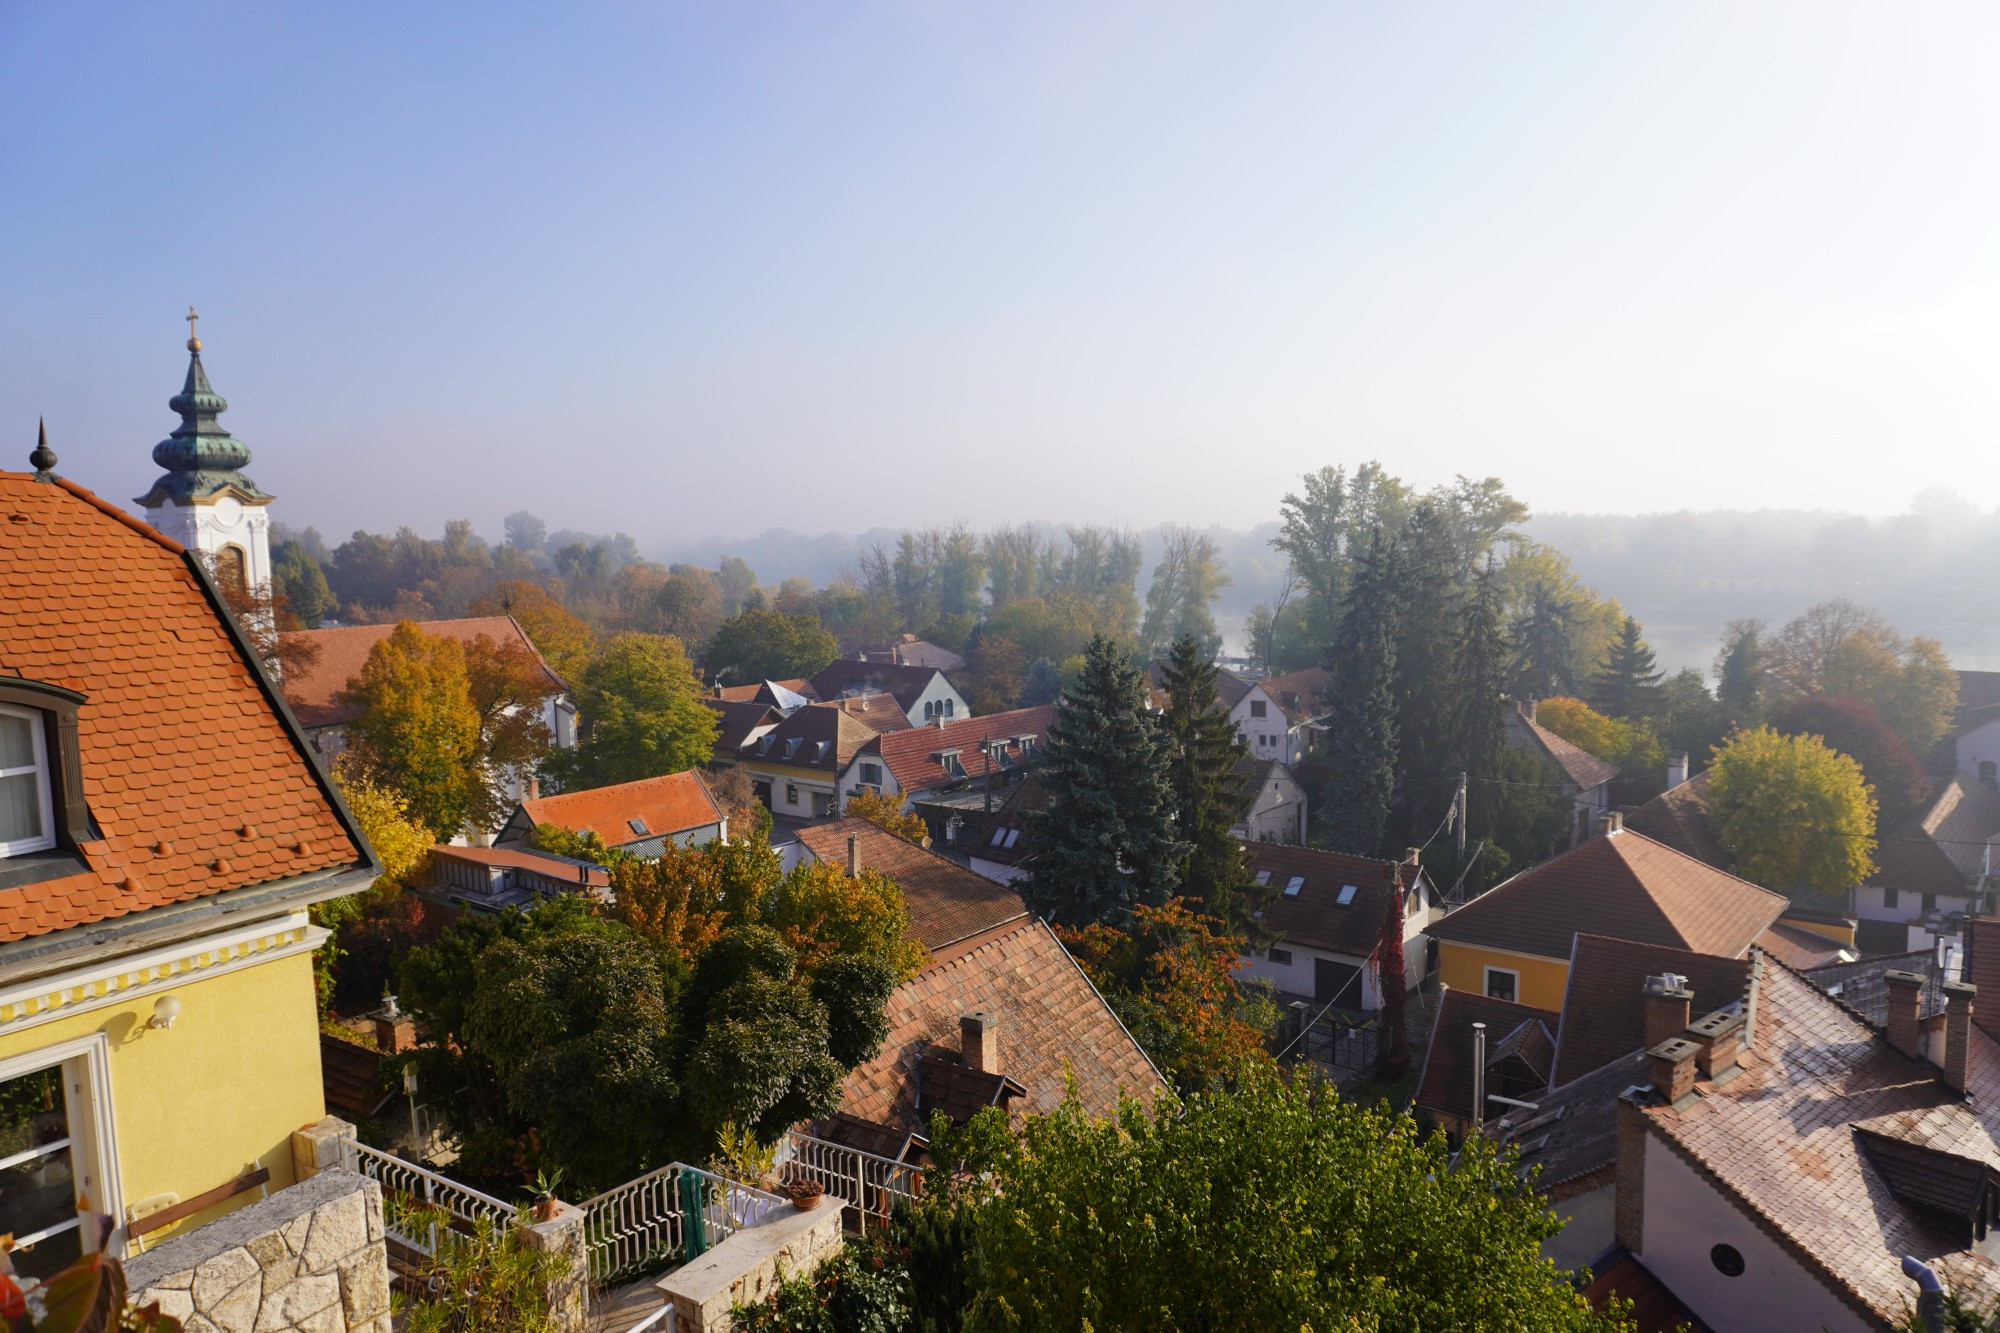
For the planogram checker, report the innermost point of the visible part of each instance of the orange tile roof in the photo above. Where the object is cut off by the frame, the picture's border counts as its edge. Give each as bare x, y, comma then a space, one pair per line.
191, 770
1626, 886
1679, 818
879, 712
760, 692
1052, 1025
827, 738
1300, 694
912, 755
314, 693
667, 804
947, 902
1584, 769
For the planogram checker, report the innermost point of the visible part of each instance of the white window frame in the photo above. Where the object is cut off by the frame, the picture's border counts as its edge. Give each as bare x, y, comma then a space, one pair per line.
85, 1065
1486, 982
45, 782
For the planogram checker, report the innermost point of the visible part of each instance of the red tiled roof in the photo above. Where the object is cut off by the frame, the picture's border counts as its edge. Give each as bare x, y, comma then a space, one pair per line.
1315, 916
190, 769
1679, 818
1604, 1011
1584, 769
314, 692
1298, 694
1782, 1139
1052, 1025
1654, 1308
913, 755
1626, 886
1798, 948
947, 902
667, 804
880, 712
351, 1077
1445, 1085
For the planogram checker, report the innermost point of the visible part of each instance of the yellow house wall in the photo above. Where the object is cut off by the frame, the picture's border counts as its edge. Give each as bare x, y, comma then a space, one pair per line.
1463, 967
1843, 935
219, 1093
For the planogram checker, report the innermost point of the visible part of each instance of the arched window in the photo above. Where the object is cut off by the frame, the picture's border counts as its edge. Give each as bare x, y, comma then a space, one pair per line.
27, 814
231, 571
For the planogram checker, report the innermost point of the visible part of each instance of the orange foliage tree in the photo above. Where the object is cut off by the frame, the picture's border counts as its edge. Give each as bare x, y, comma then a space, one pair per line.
884, 813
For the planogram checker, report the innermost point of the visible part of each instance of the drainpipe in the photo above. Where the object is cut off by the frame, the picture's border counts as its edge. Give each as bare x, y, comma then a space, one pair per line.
1478, 1077
1930, 1293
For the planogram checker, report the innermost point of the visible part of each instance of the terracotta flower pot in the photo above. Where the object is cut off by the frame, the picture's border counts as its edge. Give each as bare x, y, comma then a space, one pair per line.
804, 1194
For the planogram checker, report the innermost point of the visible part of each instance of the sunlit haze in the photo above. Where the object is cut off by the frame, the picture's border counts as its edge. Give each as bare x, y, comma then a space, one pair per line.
706, 270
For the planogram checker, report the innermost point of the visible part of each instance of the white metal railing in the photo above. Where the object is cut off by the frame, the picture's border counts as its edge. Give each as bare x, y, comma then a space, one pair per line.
678, 1211
868, 1182
407, 1186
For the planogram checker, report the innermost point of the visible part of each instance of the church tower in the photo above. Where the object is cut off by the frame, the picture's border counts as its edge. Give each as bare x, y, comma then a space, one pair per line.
204, 501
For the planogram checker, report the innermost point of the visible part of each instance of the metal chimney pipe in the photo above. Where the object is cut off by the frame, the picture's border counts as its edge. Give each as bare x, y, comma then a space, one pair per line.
1478, 1077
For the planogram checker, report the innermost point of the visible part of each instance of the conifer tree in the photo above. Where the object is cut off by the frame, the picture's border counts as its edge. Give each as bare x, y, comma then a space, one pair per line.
1628, 675
1363, 717
1427, 602
1481, 669
1106, 843
1208, 795
1542, 647
1739, 673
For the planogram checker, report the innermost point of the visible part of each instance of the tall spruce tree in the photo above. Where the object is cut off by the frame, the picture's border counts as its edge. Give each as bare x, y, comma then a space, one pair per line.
1208, 793
1481, 668
1107, 842
1739, 673
1628, 675
1542, 649
1427, 602
1363, 717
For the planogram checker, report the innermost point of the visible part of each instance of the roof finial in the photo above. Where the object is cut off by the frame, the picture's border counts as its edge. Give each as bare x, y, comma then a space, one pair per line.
43, 457
194, 343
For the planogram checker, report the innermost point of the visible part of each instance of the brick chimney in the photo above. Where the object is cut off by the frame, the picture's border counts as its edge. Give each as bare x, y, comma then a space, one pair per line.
854, 856
1958, 998
534, 787
1667, 1000
1628, 1219
1718, 1038
395, 1030
1906, 997
1611, 823
979, 1041
1673, 1067
1677, 769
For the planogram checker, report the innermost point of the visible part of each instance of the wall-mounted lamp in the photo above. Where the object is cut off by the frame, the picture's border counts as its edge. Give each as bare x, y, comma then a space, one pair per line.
165, 1010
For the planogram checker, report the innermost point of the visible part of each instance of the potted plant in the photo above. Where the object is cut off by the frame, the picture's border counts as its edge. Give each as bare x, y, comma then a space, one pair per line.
805, 1192
546, 1183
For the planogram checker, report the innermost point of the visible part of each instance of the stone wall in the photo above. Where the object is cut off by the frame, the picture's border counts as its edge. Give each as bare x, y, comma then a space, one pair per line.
310, 1258
747, 1266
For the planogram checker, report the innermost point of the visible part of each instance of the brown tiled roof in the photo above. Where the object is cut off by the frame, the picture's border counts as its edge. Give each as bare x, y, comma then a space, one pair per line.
1583, 769
314, 692
1654, 1308
1570, 1139
191, 769
1940, 847
1798, 948
1229, 690
1315, 916
828, 739
670, 803
1626, 886
516, 858
737, 719
947, 902
909, 650
1604, 1011
1678, 817
1859, 985
760, 692
1000, 836
1052, 1026
351, 1076
912, 755
880, 711
1298, 693
905, 683
946, 1083
1783, 1139
1445, 1086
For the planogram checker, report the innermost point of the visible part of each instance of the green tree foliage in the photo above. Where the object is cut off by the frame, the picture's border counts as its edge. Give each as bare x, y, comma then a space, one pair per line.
1041, 684
1838, 650
1628, 677
564, 641
1269, 1205
1740, 673
302, 583
1428, 605
758, 644
418, 732
481, 1278
1796, 815
737, 580
643, 715
1687, 718
1185, 584
1632, 745
1324, 528
1355, 810
1208, 793
524, 531
1106, 843
1480, 667
1562, 629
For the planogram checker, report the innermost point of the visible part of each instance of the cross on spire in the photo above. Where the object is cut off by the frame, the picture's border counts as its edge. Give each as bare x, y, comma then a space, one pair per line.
194, 343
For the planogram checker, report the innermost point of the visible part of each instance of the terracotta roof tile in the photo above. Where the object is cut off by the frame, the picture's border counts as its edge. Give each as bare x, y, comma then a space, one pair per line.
914, 755
947, 902
1625, 886
670, 803
1604, 1011
1678, 817
1584, 769
314, 693
1314, 916
200, 731
818, 736
1445, 1085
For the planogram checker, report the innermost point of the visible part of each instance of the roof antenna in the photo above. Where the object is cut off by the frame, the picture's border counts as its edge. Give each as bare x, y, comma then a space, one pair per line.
43, 457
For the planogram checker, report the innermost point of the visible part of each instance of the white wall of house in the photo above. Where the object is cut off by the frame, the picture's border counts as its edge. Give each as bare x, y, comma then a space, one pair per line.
1292, 972
1979, 748
1875, 903
1686, 1217
1278, 814
1263, 726
1587, 805
939, 699
867, 770
792, 794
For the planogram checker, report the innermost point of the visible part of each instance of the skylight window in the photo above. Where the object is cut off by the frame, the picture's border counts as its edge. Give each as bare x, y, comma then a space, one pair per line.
1346, 898
638, 826
1013, 836
1263, 877
1293, 885
998, 835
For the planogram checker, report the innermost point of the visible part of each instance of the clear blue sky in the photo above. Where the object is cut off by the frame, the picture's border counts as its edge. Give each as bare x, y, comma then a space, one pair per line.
703, 269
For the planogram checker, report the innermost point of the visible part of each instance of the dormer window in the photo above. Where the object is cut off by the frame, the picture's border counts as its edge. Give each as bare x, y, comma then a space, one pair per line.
27, 801
949, 761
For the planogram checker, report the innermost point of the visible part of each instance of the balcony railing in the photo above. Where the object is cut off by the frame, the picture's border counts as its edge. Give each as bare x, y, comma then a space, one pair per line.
872, 1185
671, 1215
407, 1187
